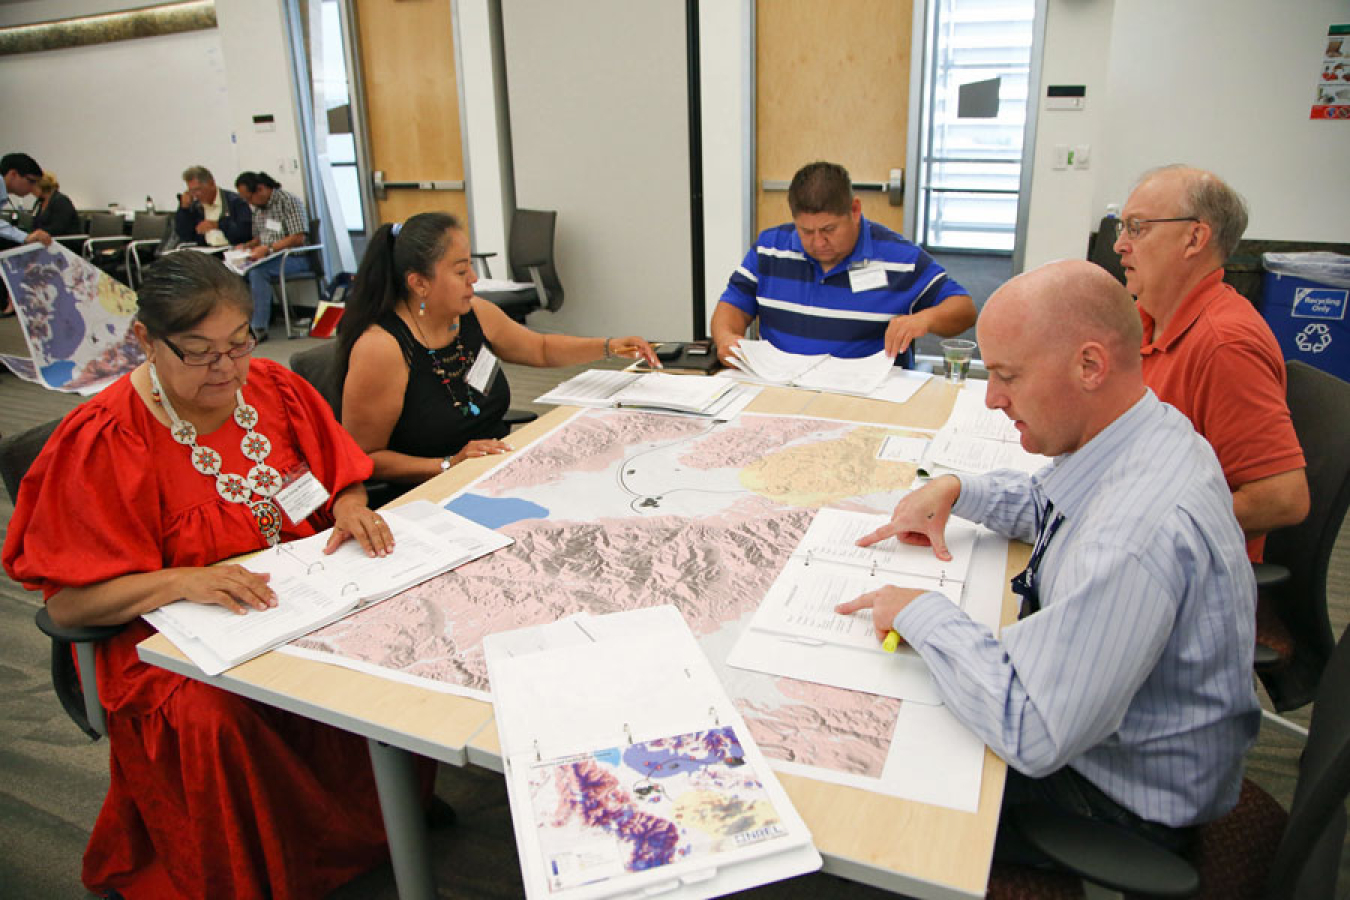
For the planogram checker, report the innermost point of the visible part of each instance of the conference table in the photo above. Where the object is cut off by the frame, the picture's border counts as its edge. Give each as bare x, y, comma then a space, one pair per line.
913, 848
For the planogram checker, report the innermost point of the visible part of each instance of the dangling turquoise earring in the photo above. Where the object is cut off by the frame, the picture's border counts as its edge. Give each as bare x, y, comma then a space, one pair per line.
422, 308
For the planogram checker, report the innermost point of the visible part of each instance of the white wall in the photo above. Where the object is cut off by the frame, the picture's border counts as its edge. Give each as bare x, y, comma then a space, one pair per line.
121, 120
598, 126
1227, 85
484, 172
726, 33
1222, 84
1061, 214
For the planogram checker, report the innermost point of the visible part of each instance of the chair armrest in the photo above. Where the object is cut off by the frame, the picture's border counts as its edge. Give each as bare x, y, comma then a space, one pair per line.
75, 634
305, 249
515, 417
1269, 575
1105, 854
89, 244
483, 258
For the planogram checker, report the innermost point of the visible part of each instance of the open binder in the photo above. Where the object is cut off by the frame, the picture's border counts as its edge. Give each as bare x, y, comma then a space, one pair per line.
796, 632
629, 771
315, 589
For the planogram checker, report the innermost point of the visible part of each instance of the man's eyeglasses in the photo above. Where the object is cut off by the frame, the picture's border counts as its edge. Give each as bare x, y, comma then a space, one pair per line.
1135, 227
211, 357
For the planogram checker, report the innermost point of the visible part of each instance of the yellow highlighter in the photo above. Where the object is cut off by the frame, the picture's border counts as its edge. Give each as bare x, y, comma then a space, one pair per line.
892, 641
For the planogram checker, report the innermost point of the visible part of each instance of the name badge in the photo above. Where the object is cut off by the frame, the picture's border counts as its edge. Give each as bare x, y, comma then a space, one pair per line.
272, 225
867, 278
301, 495
483, 369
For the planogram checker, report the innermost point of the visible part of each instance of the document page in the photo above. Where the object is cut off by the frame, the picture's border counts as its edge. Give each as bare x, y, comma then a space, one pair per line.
833, 538
593, 388
658, 390
848, 376
765, 361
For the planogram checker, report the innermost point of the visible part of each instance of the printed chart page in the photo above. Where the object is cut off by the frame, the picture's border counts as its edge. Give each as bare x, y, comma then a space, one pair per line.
796, 631
628, 768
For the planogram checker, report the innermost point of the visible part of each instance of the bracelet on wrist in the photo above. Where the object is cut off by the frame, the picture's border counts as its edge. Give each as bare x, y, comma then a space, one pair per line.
608, 354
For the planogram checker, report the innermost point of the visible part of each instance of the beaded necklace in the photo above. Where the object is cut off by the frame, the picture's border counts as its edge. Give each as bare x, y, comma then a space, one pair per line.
452, 379
262, 479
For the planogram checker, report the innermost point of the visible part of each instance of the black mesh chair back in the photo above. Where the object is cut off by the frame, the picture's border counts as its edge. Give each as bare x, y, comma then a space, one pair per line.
319, 366
1320, 407
17, 454
103, 224
1309, 855
532, 251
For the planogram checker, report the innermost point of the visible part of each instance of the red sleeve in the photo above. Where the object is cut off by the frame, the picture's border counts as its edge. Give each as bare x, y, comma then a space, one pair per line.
1249, 427
330, 452
89, 508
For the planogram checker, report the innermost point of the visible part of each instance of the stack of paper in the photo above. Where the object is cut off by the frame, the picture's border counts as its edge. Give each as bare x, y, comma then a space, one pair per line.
629, 770
828, 568
977, 439
314, 588
764, 362
712, 397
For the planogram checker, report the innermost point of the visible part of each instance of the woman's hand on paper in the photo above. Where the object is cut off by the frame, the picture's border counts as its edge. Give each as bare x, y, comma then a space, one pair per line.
480, 448
233, 587
352, 518
921, 517
884, 602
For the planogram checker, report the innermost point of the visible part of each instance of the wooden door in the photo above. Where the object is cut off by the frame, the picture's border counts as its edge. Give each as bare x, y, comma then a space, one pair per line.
407, 51
831, 83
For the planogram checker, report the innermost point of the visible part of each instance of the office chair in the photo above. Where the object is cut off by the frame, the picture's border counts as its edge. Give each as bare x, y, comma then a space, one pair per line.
78, 698
148, 233
1292, 602
1255, 851
312, 251
107, 238
531, 251
1102, 251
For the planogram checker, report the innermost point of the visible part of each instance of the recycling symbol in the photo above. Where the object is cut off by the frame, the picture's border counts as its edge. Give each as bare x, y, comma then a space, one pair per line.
1315, 338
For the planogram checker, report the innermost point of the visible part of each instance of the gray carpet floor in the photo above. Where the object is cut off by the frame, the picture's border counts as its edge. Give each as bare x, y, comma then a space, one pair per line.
52, 779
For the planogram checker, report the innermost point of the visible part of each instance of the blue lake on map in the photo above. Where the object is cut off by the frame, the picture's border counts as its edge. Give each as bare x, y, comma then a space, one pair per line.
495, 512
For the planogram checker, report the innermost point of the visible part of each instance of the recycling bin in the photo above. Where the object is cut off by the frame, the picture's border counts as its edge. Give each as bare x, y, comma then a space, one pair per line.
1304, 300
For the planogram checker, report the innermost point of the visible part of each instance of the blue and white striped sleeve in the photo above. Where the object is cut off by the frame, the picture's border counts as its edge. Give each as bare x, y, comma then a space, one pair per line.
1001, 500
1059, 682
743, 286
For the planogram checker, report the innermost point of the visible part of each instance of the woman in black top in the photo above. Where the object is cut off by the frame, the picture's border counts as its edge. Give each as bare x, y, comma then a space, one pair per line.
54, 214
413, 330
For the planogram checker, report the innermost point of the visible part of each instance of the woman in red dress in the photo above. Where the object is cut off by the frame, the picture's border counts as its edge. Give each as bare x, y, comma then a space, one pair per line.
137, 493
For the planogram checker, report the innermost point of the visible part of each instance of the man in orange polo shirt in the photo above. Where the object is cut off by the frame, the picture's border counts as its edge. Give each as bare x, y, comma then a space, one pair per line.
1206, 350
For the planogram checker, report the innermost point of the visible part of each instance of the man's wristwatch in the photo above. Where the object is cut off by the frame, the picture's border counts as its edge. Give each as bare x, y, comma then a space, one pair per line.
446, 464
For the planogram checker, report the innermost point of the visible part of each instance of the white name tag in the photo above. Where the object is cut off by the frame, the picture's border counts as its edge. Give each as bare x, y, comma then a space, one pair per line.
868, 278
482, 370
301, 496
272, 224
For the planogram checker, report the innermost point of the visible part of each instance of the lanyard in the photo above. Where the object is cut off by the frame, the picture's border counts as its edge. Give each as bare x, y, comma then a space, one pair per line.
1024, 585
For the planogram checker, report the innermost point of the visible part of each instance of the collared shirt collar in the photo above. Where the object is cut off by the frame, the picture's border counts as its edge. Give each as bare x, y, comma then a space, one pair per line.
862, 250
1074, 478
1187, 314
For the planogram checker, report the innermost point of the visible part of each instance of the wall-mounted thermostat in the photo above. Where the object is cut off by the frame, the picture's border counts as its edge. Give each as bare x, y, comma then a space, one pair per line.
1066, 96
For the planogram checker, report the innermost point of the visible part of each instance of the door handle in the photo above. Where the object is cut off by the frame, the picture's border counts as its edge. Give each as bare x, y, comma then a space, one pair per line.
893, 187
382, 187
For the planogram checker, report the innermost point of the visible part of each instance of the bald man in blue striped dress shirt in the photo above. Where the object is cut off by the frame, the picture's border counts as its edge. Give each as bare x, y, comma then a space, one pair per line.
1125, 690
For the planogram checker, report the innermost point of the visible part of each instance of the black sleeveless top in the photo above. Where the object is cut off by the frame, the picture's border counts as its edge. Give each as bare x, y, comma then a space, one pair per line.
431, 424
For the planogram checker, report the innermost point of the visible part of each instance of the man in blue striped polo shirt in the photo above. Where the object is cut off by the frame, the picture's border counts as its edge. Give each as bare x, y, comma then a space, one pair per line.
830, 281
1124, 693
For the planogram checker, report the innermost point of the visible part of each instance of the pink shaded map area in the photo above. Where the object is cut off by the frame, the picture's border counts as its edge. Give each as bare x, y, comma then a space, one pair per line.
714, 568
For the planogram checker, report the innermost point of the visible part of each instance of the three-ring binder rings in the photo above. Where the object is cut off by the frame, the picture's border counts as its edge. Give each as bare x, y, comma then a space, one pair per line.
796, 632
629, 770
314, 589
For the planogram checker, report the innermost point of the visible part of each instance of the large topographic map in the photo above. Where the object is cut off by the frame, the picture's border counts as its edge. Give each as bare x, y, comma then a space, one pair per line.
618, 510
